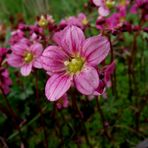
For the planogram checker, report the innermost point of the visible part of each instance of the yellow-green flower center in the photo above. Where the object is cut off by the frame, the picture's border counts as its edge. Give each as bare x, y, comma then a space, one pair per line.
42, 22
74, 65
28, 57
110, 3
85, 21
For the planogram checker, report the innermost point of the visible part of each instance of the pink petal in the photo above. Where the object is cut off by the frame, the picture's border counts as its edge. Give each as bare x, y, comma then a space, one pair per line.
38, 63
87, 81
95, 49
72, 40
15, 60
26, 69
98, 2
103, 11
36, 49
109, 70
19, 48
56, 86
57, 37
53, 59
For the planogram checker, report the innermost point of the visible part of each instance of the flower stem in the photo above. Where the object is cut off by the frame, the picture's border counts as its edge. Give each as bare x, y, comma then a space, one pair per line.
40, 111
14, 118
77, 110
113, 79
104, 122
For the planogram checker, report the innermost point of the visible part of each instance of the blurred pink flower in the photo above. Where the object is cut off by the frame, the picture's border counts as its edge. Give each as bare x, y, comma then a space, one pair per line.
79, 21
18, 36
25, 57
104, 6
73, 61
5, 81
62, 102
114, 22
105, 78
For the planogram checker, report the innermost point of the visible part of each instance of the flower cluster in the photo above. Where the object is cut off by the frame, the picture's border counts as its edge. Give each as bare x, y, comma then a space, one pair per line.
71, 61
62, 50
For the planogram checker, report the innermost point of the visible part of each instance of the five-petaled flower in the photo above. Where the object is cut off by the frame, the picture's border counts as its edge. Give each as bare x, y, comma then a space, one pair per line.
73, 62
25, 57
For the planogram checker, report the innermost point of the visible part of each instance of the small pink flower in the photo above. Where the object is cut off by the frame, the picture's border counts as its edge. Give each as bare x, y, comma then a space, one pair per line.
104, 6
25, 57
105, 78
79, 21
18, 36
73, 61
62, 102
114, 22
5, 81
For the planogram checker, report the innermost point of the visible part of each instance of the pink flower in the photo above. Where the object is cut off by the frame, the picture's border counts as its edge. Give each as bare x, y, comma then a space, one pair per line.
62, 102
105, 77
18, 36
79, 21
114, 22
5, 81
73, 61
25, 57
104, 6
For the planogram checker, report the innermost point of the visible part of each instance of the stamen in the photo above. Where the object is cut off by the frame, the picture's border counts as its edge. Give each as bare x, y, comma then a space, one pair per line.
28, 57
74, 65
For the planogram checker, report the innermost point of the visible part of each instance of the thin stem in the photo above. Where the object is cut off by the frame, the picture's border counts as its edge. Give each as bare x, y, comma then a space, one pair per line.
40, 111
76, 108
104, 122
14, 118
113, 79
57, 127
12, 112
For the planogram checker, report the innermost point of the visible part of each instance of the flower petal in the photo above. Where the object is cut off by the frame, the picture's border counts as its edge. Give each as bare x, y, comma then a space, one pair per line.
98, 2
38, 63
72, 40
87, 81
19, 48
53, 59
26, 69
103, 11
57, 37
95, 49
56, 86
15, 60
37, 49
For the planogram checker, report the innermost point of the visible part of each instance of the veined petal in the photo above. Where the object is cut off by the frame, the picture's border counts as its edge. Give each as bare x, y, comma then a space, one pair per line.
37, 62
19, 48
53, 59
57, 37
36, 49
26, 69
87, 81
15, 60
95, 49
56, 86
72, 40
